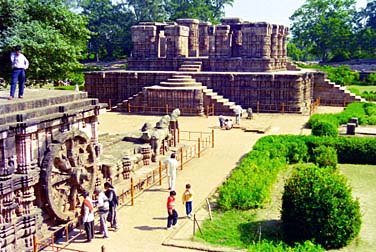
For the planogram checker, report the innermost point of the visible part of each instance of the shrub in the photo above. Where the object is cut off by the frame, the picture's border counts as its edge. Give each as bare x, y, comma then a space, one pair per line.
325, 156
317, 206
323, 128
372, 78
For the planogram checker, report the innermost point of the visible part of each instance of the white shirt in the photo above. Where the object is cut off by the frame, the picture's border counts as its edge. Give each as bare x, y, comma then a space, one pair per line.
88, 216
103, 201
172, 165
238, 109
19, 60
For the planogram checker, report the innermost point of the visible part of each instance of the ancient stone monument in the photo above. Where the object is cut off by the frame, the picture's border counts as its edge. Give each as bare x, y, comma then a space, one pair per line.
194, 65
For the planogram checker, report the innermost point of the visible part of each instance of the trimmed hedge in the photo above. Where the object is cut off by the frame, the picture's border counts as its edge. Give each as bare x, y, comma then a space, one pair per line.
317, 205
365, 112
322, 128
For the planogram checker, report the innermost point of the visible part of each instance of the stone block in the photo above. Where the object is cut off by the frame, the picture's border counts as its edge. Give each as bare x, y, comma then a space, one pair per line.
350, 129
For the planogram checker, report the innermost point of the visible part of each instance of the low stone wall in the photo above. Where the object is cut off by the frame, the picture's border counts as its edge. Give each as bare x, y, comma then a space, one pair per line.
266, 92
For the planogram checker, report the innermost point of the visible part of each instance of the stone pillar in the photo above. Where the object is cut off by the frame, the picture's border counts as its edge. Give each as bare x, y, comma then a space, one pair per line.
177, 41
263, 33
162, 45
211, 33
23, 146
284, 41
281, 31
193, 37
274, 41
204, 38
145, 41
249, 40
222, 41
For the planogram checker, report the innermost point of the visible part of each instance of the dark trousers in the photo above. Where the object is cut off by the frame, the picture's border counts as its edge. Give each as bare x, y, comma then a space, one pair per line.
188, 207
89, 228
172, 219
18, 74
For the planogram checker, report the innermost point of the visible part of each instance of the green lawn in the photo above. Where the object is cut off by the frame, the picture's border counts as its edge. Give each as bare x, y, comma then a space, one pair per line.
362, 88
239, 229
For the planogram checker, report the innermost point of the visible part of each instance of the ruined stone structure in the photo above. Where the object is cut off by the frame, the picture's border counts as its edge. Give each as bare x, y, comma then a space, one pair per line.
48, 155
193, 65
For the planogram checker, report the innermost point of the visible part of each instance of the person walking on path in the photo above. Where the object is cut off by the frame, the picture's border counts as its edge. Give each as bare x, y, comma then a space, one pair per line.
187, 200
19, 65
172, 218
172, 165
87, 214
221, 119
113, 202
103, 208
238, 113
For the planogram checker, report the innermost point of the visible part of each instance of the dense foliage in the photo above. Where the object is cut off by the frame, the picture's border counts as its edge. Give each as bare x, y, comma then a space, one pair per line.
325, 156
333, 30
317, 205
365, 112
53, 37
323, 128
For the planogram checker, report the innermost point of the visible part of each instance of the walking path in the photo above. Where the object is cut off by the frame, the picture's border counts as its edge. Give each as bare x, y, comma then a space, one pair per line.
143, 226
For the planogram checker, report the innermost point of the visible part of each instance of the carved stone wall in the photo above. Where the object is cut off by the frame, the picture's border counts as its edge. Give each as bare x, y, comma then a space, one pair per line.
247, 89
27, 128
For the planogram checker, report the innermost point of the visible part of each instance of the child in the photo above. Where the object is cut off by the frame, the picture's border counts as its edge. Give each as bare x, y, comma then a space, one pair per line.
172, 218
187, 200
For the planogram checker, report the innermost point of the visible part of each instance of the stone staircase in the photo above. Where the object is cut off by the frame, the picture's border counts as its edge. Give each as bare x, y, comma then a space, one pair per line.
45, 105
332, 94
222, 106
190, 66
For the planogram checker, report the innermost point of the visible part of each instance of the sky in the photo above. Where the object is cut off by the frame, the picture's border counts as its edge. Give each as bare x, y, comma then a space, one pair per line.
271, 11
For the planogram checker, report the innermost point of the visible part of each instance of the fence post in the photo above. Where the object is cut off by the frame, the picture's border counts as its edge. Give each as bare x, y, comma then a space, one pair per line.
166, 108
160, 173
258, 106
35, 243
123, 196
153, 176
67, 232
132, 192
283, 107
181, 158
129, 107
198, 152
103, 249
212, 138
178, 135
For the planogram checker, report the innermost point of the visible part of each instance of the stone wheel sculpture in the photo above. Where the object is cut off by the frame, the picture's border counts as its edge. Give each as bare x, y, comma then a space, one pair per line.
68, 169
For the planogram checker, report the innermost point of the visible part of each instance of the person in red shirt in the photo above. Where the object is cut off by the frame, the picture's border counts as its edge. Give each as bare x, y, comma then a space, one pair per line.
172, 218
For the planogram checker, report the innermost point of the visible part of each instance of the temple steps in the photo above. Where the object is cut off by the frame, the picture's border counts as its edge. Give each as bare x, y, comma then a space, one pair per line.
332, 94
190, 66
180, 81
222, 106
44, 106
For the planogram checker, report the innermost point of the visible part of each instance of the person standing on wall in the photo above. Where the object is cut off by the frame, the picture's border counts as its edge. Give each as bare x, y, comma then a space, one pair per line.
19, 65
87, 214
172, 165
112, 199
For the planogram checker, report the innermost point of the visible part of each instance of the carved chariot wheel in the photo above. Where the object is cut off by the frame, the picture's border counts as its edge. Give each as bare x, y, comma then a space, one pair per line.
68, 169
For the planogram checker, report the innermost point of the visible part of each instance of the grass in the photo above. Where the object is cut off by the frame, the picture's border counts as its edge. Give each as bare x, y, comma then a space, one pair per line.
362, 88
239, 229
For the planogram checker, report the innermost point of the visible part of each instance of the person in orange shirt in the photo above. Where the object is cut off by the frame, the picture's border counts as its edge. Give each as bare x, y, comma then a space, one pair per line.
172, 218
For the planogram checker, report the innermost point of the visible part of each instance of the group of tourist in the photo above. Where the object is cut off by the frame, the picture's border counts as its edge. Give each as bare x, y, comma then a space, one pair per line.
187, 197
107, 202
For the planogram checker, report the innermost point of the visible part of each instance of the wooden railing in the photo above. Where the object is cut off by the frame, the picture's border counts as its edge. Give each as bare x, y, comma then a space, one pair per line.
314, 105
209, 110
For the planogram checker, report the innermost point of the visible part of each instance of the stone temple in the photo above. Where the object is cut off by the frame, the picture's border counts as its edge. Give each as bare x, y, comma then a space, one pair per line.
194, 66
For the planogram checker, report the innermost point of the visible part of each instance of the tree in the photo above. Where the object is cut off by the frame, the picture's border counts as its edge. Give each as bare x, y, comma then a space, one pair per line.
148, 10
109, 26
53, 37
324, 26
204, 10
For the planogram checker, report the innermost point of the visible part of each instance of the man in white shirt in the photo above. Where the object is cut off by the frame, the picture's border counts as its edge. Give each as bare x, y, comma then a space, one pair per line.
172, 165
19, 65
103, 208
238, 112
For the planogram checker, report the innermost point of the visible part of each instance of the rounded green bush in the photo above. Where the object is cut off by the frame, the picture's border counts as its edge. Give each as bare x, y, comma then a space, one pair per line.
325, 156
317, 205
322, 128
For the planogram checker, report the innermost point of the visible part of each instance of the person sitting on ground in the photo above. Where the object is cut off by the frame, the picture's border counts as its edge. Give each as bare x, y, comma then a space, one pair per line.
228, 124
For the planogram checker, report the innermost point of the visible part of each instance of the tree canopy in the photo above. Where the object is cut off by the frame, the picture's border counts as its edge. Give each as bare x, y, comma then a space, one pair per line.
52, 36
